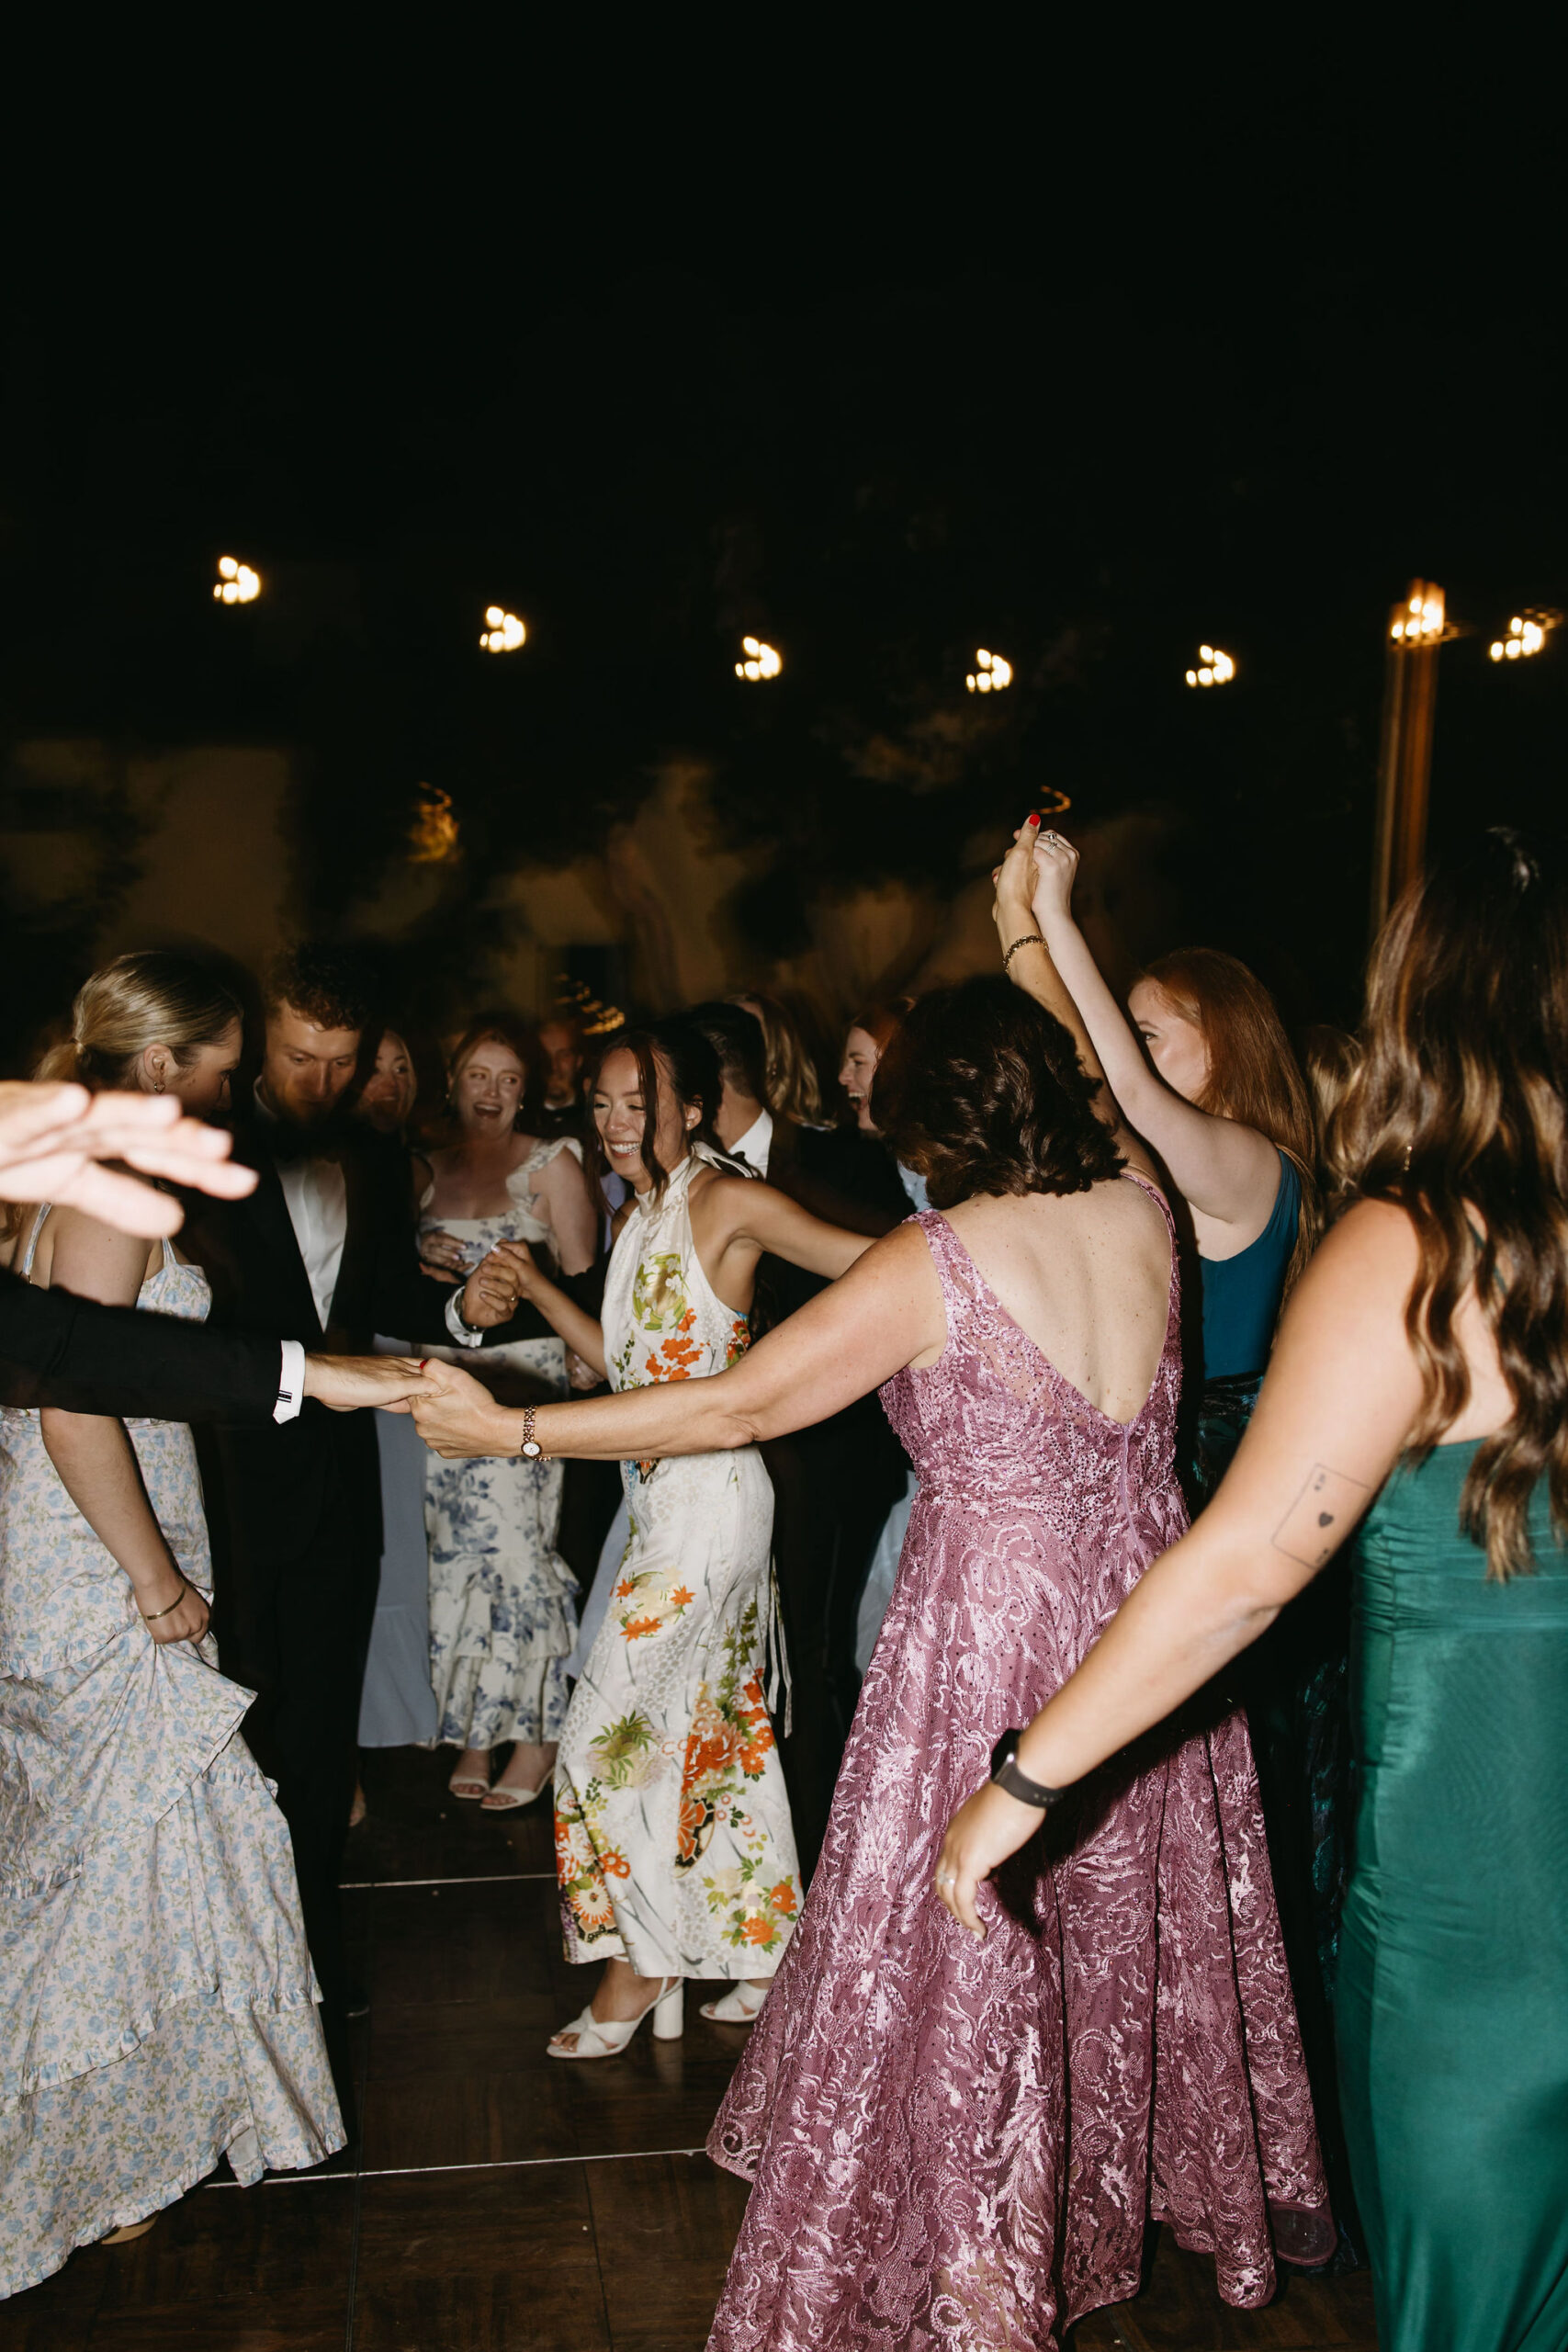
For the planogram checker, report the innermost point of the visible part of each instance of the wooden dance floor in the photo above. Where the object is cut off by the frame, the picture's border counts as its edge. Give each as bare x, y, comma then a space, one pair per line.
499, 2201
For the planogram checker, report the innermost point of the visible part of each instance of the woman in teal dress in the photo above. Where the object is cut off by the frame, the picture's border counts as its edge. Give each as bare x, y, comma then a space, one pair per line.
1418, 1390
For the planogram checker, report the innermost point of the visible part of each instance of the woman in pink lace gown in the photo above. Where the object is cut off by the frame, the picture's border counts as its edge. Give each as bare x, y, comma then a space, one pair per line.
958, 2142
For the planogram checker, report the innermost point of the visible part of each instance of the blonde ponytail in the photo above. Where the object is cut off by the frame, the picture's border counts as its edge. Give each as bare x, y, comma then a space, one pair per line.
147, 999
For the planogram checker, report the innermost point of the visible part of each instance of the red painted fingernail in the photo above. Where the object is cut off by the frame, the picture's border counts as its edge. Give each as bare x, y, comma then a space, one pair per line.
1032, 821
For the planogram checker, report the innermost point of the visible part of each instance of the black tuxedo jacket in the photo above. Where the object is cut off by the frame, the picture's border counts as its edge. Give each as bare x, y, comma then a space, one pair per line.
56, 1349
270, 1485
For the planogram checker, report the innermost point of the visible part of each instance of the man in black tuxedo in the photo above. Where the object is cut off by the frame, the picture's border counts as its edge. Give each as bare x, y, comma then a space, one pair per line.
321, 1256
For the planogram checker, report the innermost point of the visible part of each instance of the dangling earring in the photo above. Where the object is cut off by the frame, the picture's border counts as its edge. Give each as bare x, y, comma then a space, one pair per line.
158, 1083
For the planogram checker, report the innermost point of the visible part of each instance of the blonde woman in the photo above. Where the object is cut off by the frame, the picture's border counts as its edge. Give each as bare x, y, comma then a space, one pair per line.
160, 2006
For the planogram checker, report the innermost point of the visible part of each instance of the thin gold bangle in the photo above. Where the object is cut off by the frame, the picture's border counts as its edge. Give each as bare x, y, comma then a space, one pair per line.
170, 1610
1030, 939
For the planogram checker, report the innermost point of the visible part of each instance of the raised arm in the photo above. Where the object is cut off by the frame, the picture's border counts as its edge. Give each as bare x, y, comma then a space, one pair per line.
1226, 1171
887, 1312
1341, 1397
93, 1454
1029, 968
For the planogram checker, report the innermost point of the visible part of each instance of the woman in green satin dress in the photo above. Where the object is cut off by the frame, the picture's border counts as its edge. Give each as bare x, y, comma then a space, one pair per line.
1418, 1390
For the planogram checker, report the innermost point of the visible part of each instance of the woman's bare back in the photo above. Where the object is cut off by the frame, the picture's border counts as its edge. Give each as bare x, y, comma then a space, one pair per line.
1087, 1276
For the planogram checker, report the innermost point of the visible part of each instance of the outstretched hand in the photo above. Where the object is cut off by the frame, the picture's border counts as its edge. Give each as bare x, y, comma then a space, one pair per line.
52, 1139
346, 1383
988, 1827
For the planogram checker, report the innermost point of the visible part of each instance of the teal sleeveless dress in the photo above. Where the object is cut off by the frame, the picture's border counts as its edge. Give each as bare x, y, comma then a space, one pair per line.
1452, 1998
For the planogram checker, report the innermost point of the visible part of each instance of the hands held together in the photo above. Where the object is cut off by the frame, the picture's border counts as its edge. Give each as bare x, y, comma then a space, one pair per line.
454, 1414
1035, 883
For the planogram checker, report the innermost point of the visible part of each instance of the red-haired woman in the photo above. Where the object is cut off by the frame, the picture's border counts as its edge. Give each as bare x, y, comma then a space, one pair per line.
1205, 1073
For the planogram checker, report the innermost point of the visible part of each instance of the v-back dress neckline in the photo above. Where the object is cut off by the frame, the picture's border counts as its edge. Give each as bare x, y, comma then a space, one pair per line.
1172, 1302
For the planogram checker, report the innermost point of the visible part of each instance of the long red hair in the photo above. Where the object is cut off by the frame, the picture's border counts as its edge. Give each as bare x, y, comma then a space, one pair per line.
1254, 1075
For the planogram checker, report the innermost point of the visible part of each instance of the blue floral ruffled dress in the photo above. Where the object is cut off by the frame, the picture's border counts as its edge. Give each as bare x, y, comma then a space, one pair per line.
503, 1600
159, 2007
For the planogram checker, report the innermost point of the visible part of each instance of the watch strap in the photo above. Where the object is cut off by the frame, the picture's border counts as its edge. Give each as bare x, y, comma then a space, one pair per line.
1005, 1772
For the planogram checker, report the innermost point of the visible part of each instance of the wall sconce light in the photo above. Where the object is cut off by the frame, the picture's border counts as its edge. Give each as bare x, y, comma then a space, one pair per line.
1217, 668
761, 660
991, 673
236, 584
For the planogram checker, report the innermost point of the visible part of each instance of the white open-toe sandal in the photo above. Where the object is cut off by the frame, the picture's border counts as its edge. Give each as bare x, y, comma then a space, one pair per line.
606, 2037
742, 2005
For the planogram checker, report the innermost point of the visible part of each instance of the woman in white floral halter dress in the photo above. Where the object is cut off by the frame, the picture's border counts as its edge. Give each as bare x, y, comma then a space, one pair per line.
674, 1852
672, 1823
159, 2005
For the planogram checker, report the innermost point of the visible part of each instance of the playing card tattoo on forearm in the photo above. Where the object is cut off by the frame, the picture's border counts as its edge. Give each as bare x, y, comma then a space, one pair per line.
1321, 1517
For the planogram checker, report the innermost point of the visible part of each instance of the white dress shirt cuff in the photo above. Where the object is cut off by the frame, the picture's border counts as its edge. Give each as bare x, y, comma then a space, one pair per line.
458, 1328
292, 1382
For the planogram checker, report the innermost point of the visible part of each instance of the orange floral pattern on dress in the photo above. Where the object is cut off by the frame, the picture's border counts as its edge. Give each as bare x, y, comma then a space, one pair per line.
728, 1744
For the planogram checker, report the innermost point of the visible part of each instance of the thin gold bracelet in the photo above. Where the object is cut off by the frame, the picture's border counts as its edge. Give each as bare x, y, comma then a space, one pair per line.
1030, 939
170, 1610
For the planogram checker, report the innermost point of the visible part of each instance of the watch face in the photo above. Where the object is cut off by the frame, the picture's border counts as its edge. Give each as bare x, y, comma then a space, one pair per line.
533, 1448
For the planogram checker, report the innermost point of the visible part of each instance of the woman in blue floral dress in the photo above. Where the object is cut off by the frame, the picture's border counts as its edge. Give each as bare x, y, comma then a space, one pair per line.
502, 1612
160, 2008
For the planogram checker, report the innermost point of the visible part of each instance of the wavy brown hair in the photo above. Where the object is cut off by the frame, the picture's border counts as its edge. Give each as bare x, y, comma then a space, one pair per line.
1254, 1075
1456, 1115
981, 1090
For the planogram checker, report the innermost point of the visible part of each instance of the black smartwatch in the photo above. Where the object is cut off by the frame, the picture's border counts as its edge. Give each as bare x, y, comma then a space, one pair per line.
1006, 1774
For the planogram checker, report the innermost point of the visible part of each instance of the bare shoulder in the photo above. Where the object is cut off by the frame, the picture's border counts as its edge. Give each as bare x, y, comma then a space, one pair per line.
1372, 1249
78, 1252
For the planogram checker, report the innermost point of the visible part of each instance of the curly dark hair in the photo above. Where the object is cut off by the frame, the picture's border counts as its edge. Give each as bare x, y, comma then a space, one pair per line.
330, 984
981, 1091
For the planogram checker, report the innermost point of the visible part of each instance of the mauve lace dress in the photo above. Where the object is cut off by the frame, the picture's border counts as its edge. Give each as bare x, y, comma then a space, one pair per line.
958, 2142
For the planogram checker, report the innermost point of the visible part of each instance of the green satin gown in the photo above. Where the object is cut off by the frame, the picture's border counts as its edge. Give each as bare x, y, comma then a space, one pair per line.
1452, 1994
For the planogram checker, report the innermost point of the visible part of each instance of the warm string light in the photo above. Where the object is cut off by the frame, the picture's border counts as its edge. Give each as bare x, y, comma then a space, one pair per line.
1526, 635
1054, 802
236, 584
991, 673
1421, 621
504, 632
433, 836
761, 660
1217, 668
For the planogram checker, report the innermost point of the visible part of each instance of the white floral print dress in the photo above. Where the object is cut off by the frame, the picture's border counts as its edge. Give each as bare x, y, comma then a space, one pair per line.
503, 1600
159, 2006
674, 1844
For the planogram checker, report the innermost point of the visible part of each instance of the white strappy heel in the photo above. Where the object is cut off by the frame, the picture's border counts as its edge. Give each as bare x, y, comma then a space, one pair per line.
606, 2037
742, 2005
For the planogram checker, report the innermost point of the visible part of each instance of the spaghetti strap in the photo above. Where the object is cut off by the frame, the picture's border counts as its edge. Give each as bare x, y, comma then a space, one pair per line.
25, 1267
1147, 1185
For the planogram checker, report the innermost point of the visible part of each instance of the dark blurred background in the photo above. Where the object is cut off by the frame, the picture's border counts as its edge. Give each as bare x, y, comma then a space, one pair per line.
883, 359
